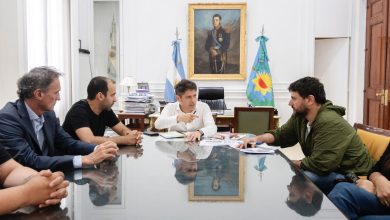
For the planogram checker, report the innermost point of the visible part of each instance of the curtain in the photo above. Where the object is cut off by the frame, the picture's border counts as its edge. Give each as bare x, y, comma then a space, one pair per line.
48, 43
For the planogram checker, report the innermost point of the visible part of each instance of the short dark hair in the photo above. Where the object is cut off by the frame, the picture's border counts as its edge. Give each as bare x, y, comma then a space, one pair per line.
307, 209
301, 206
309, 86
96, 85
97, 198
184, 179
183, 86
38, 78
217, 15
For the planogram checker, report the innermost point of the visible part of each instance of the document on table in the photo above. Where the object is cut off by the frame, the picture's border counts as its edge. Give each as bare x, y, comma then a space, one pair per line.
172, 134
262, 148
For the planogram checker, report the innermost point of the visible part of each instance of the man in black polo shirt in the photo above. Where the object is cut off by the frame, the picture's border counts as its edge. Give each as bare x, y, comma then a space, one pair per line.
88, 118
27, 186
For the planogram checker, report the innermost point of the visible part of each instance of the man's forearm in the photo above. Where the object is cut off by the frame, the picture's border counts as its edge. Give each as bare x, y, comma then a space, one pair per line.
266, 138
19, 199
18, 176
377, 177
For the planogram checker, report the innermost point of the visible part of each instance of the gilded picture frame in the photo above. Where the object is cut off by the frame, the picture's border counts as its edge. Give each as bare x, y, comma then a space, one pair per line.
220, 177
217, 41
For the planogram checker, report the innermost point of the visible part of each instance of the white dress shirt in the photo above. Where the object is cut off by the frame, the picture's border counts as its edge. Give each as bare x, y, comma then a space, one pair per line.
204, 122
172, 147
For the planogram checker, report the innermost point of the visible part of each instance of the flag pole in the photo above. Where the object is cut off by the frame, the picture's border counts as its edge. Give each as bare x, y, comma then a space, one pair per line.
177, 34
262, 31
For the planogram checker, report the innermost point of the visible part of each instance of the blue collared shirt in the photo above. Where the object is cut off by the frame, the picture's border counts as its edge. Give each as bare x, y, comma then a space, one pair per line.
37, 122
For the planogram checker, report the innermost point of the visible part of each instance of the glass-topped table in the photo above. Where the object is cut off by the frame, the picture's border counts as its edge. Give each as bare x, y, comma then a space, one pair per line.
173, 179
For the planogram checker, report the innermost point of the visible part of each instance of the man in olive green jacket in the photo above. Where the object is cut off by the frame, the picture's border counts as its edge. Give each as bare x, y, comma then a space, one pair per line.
330, 144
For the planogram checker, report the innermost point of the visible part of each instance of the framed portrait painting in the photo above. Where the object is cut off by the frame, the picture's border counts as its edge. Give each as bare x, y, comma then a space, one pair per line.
220, 177
216, 49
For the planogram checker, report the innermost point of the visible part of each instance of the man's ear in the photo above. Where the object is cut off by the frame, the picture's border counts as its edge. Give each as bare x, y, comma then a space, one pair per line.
100, 96
38, 94
178, 98
308, 196
311, 99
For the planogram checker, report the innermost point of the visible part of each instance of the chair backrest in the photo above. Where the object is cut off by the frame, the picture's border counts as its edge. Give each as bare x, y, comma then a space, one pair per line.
214, 97
254, 120
375, 139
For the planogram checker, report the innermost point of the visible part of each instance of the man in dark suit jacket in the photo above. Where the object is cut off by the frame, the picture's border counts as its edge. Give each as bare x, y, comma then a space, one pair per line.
31, 133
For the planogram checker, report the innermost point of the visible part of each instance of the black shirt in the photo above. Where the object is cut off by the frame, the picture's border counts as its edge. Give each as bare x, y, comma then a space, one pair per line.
4, 155
382, 165
81, 115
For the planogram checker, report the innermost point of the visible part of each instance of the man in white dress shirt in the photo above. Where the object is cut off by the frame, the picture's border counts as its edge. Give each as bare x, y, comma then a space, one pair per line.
187, 114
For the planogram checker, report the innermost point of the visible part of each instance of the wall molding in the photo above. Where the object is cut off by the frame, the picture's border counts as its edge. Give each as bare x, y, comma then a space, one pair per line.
231, 93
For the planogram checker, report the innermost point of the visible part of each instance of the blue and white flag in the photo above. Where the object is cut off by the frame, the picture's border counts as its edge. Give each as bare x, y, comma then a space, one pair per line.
260, 89
175, 73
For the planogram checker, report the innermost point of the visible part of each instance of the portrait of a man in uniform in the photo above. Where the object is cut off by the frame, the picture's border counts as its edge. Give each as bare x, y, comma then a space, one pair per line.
216, 42
217, 45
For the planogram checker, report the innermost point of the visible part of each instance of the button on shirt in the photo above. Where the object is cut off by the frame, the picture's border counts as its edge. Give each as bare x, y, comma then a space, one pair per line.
37, 122
204, 122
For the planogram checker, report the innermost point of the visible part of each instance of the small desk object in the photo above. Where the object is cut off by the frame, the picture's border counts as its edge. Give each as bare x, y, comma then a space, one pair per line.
138, 117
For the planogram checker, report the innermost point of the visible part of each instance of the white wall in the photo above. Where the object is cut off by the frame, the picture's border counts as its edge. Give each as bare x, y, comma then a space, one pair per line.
291, 26
331, 67
12, 47
332, 18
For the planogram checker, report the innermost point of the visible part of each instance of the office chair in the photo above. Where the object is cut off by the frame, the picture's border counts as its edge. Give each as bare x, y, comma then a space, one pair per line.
214, 97
253, 120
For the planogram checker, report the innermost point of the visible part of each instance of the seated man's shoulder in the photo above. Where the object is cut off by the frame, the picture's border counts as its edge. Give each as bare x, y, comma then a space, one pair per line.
334, 121
9, 110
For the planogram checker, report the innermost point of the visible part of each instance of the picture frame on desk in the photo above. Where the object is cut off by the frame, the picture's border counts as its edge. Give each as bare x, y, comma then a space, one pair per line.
217, 33
213, 183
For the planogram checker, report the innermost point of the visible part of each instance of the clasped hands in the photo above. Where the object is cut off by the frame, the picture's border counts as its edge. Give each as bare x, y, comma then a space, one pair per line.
45, 188
106, 151
134, 137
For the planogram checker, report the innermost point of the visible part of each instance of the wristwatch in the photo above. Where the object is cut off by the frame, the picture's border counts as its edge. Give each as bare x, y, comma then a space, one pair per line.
201, 133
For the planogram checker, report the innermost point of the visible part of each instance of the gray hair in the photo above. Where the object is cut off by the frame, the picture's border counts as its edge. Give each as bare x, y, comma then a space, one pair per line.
38, 78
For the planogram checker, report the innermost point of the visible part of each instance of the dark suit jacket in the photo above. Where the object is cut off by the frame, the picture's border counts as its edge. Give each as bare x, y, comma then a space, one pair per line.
18, 137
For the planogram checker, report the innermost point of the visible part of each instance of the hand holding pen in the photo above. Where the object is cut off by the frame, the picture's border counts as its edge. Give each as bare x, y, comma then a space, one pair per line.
187, 118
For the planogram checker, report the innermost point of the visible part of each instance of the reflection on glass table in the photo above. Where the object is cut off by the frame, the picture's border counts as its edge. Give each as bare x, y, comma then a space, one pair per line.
186, 156
145, 187
103, 182
304, 197
220, 176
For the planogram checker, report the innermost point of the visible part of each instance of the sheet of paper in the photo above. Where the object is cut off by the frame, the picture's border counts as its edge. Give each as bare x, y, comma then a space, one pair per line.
172, 134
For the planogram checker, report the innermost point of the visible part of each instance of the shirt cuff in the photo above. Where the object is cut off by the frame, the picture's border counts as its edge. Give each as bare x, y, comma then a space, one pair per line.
78, 174
77, 163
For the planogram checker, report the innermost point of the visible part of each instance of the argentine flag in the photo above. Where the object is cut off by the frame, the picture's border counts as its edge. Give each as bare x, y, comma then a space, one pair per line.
260, 89
175, 73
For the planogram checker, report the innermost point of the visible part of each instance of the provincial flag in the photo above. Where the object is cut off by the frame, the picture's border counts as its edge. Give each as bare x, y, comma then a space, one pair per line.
260, 89
175, 73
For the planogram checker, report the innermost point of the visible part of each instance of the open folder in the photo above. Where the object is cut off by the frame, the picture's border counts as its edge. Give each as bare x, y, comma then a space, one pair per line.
172, 134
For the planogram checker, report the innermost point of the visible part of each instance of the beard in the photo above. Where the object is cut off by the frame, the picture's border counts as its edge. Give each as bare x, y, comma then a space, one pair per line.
301, 113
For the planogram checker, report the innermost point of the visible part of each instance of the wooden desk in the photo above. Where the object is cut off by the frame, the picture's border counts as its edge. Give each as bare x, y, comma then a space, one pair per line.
139, 117
225, 121
222, 121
